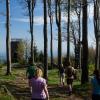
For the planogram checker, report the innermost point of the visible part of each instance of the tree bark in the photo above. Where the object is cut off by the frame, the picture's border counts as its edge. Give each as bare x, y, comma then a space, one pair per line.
32, 36
58, 22
68, 34
8, 43
51, 43
96, 31
78, 12
79, 18
51, 22
31, 5
45, 42
84, 77
59, 39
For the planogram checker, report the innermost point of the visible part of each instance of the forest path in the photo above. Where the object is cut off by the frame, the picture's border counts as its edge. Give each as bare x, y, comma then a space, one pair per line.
20, 90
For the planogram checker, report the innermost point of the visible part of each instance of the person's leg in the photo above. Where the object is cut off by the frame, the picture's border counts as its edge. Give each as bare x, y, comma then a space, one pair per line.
29, 81
63, 79
71, 81
69, 86
70, 89
30, 90
60, 79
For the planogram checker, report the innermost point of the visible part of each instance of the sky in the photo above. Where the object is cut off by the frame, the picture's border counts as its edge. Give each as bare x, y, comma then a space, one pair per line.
19, 26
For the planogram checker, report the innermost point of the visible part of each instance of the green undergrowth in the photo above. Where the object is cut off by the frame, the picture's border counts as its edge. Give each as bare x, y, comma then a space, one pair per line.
82, 90
15, 73
53, 77
5, 94
91, 69
4, 77
6, 97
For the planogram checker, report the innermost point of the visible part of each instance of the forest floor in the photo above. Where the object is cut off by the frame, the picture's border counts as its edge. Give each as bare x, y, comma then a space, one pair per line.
17, 85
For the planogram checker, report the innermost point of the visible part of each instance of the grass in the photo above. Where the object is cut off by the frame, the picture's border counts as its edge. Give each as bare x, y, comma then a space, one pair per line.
5, 97
5, 94
8, 80
56, 92
91, 69
0, 66
4, 77
16, 72
53, 77
83, 90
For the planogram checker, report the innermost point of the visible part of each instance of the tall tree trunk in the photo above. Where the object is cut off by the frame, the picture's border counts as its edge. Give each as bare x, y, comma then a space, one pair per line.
50, 14
51, 42
97, 32
75, 45
58, 22
68, 34
32, 36
45, 42
59, 38
8, 44
31, 5
78, 12
79, 18
84, 77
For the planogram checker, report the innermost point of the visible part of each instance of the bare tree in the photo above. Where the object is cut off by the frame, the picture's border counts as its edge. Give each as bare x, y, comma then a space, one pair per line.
45, 41
68, 33
77, 8
8, 44
96, 30
30, 4
84, 77
74, 37
50, 14
58, 22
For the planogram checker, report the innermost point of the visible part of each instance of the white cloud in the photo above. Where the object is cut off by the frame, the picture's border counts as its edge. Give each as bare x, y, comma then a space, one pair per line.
24, 20
38, 20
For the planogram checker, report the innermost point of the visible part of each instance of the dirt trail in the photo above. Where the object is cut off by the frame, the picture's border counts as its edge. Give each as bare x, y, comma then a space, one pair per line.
20, 91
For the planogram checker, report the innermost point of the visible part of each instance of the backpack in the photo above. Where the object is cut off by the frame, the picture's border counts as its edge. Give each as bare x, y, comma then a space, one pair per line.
69, 72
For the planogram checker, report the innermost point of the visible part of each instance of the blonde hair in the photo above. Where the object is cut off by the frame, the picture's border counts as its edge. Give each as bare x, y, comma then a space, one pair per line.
39, 72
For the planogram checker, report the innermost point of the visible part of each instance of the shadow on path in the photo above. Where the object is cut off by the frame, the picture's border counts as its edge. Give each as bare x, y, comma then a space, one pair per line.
60, 93
20, 93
